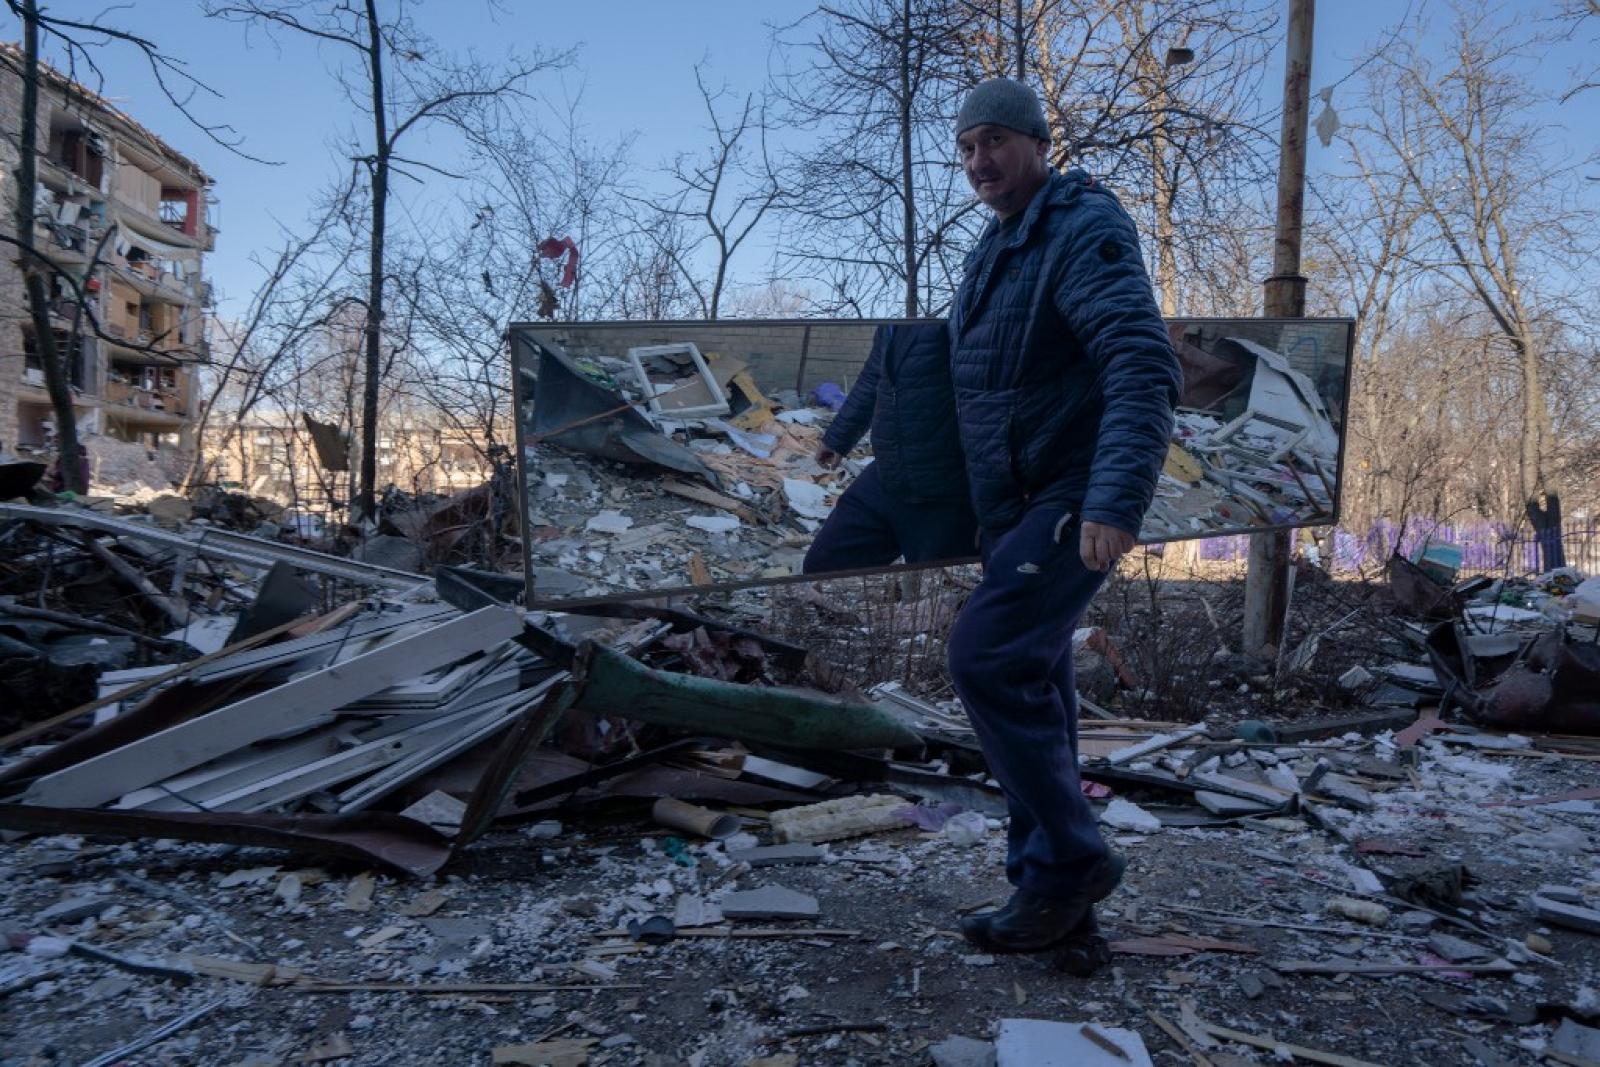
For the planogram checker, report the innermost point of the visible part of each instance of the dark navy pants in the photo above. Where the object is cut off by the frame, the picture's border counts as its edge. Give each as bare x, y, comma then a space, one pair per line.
1011, 661
871, 527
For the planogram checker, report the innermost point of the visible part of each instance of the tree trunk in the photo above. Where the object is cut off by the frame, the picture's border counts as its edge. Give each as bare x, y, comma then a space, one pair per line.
366, 504
1021, 43
1535, 421
57, 376
907, 174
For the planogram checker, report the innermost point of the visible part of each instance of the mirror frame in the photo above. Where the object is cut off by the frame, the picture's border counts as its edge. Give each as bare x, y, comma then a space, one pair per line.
518, 339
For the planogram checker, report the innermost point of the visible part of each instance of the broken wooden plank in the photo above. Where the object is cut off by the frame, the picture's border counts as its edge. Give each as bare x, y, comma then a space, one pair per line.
1168, 1027
443, 988
1332, 1059
758, 932
1154, 744
172, 607
1389, 967
296, 704
701, 495
1179, 945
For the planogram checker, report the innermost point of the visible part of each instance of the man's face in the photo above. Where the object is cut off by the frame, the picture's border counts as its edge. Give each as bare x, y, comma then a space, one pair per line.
1006, 167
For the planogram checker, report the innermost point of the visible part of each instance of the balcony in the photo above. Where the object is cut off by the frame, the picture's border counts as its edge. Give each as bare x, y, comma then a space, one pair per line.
149, 224
135, 403
147, 281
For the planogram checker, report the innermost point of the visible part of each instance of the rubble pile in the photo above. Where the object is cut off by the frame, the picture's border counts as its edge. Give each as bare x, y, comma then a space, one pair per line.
1388, 898
129, 470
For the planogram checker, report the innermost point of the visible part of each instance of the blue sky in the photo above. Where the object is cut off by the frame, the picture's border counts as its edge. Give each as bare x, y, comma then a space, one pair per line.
633, 69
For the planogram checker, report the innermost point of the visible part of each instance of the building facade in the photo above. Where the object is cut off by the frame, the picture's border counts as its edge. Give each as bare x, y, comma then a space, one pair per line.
126, 216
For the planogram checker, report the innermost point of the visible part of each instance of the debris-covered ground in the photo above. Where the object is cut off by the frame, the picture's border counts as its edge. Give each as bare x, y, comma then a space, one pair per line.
1267, 928
270, 803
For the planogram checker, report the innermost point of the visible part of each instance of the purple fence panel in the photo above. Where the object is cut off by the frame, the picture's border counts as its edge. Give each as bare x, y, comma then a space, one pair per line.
1486, 547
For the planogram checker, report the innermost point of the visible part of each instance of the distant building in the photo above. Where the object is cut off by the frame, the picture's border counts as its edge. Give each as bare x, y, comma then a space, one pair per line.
272, 454
106, 183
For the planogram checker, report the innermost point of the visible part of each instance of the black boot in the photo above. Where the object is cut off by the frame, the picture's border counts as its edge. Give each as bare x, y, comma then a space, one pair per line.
1084, 952
1031, 923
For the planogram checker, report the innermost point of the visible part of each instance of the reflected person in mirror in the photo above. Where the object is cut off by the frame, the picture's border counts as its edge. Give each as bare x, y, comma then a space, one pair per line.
912, 501
1065, 384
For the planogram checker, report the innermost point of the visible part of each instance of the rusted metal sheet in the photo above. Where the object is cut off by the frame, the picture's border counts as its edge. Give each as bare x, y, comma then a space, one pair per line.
402, 844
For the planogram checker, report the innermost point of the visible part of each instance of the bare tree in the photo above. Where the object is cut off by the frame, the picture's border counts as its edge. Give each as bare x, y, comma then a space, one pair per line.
1458, 136
1161, 100
713, 202
481, 270
879, 207
1452, 230
297, 296
395, 83
1578, 18
1158, 98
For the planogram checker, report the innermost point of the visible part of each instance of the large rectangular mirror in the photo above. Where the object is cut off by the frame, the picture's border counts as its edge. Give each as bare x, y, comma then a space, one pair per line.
669, 457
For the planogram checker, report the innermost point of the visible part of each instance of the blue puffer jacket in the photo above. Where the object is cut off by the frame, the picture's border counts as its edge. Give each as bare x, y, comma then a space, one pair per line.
1065, 379
904, 394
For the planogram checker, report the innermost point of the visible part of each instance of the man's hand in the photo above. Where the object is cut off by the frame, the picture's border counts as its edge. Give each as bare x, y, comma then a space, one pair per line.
1101, 545
827, 458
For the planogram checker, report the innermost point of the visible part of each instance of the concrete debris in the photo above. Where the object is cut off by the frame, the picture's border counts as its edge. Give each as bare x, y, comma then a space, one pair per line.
777, 855
714, 523
1571, 916
72, 910
1341, 790
1362, 911
692, 910
835, 820
1457, 950
1230, 806
609, 522
1575, 1040
1355, 678
562, 1052
439, 810
966, 828
1123, 814
1044, 1043
769, 902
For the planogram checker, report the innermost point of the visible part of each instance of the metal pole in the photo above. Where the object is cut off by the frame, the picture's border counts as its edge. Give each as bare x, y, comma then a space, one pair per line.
1266, 587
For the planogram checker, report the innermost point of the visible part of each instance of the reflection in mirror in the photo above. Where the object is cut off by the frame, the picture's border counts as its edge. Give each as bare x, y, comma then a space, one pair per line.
662, 456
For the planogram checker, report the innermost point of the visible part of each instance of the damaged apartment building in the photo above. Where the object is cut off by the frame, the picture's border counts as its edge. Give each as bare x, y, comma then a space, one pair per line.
125, 215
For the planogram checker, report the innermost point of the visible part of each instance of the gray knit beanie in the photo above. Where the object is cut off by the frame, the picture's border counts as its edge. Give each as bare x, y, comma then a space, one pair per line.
1003, 102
